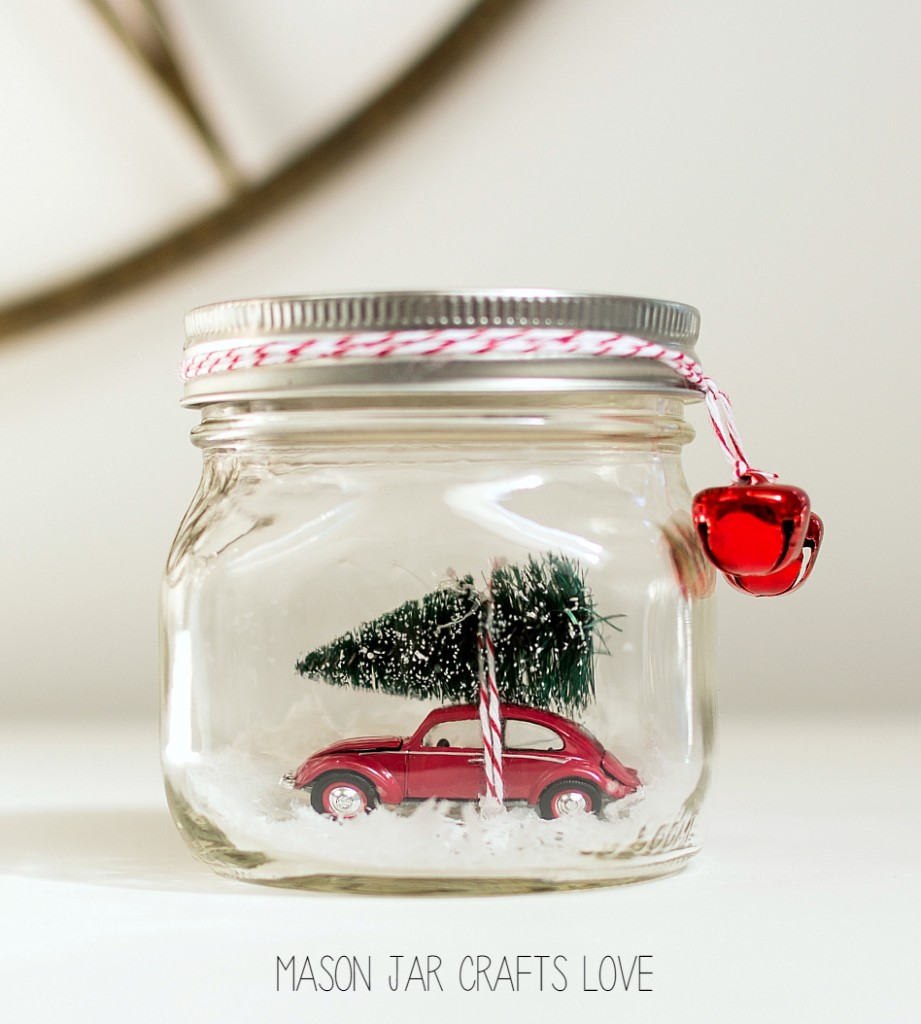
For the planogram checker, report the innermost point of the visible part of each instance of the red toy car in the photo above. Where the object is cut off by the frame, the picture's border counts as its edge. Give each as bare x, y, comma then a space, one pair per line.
548, 762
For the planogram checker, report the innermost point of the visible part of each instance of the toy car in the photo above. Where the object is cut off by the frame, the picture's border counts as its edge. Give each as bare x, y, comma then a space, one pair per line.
548, 761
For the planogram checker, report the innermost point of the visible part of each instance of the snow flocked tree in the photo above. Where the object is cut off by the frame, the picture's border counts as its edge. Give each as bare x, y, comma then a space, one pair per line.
543, 625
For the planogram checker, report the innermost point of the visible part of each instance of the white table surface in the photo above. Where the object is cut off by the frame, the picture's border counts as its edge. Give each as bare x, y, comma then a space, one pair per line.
804, 906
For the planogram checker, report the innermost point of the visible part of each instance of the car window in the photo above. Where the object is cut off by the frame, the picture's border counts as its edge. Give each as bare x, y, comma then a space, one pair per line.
521, 735
466, 733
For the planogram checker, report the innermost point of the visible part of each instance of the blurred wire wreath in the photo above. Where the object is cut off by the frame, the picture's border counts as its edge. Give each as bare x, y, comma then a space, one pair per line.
150, 34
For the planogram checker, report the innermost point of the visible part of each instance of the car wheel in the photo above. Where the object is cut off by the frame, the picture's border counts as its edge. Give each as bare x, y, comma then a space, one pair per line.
568, 797
343, 795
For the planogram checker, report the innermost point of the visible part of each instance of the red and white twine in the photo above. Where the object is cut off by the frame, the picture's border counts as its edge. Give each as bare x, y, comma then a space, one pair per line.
490, 715
485, 343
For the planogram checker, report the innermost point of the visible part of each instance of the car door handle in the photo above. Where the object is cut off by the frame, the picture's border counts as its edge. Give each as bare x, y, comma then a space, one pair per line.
474, 760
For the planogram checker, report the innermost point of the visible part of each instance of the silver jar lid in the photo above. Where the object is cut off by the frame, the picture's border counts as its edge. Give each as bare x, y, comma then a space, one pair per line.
215, 330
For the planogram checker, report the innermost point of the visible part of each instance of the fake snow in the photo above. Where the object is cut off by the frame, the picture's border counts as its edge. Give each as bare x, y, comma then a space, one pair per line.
240, 793
235, 784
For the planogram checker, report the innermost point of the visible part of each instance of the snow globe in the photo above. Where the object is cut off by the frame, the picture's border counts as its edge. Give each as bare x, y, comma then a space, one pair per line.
438, 618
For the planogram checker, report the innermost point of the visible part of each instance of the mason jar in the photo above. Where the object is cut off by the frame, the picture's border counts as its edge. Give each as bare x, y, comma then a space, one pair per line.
437, 618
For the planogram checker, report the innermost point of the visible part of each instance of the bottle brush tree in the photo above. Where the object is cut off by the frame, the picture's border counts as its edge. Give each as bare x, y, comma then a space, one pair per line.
544, 628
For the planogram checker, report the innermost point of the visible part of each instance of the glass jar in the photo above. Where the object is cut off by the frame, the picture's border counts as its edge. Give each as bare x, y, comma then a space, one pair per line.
437, 619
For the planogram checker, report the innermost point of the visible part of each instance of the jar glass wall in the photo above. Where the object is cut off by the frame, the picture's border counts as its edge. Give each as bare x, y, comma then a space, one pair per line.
316, 521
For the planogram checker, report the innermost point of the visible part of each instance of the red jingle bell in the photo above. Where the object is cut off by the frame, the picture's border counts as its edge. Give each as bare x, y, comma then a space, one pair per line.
753, 527
792, 576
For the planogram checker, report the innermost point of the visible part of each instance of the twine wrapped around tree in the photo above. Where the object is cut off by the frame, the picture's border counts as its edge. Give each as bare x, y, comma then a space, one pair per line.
490, 708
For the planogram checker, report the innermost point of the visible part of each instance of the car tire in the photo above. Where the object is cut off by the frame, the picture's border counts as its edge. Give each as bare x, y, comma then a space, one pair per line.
343, 795
569, 796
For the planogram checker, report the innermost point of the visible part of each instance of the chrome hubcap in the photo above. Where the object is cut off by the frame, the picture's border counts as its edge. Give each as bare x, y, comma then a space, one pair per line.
571, 802
345, 801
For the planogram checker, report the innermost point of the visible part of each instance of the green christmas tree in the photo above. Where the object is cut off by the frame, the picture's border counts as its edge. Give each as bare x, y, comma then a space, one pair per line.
544, 626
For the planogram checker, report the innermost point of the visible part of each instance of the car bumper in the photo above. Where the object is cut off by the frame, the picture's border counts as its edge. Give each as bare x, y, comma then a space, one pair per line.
617, 790
289, 779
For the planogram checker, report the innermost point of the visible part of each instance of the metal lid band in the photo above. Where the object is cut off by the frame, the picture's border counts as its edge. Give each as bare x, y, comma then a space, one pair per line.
480, 342
248, 320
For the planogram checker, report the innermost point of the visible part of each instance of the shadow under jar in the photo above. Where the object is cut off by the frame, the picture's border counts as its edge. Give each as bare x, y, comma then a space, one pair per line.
437, 619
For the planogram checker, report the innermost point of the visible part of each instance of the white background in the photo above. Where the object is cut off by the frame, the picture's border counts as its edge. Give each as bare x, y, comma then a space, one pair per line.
760, 161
